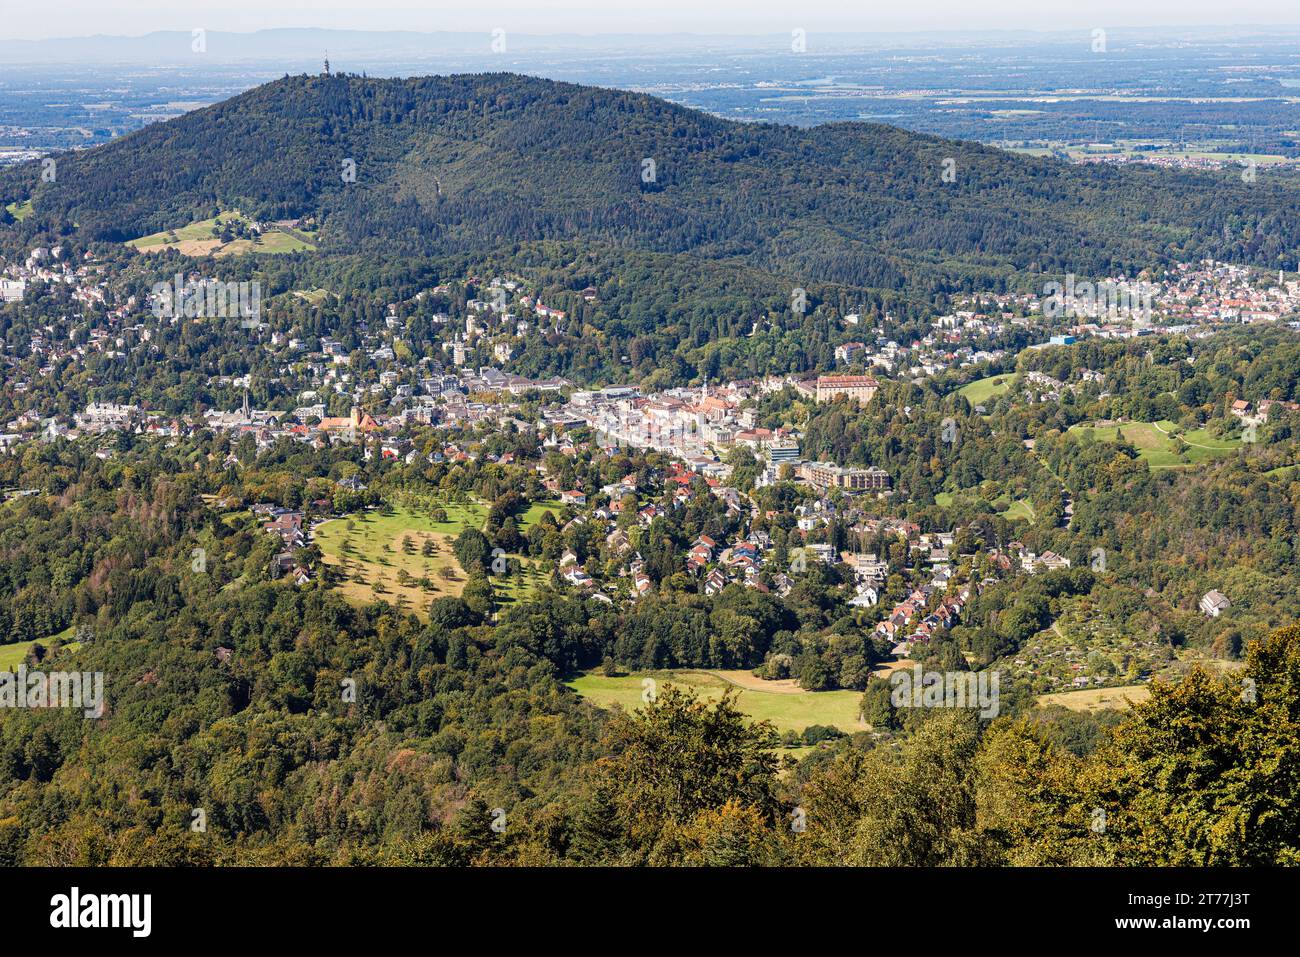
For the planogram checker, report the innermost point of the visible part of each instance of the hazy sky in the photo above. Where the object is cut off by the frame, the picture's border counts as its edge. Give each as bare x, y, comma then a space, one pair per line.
31, 19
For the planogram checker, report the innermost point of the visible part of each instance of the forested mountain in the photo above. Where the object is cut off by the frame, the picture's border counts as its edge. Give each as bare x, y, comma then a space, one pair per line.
472, 163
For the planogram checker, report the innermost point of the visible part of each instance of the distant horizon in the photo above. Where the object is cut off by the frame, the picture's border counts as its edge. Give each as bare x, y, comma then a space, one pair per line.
358, 49
666, 34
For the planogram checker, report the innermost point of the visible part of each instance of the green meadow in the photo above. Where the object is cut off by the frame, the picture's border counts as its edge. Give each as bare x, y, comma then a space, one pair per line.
1011, 509
787, 707
533, 514
981, 390
1157, 442
20, 211
1019, 510
399, 554
373, 549
197, 239
12, 655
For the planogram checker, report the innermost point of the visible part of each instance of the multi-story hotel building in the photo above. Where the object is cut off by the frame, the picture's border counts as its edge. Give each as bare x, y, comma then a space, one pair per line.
861, 388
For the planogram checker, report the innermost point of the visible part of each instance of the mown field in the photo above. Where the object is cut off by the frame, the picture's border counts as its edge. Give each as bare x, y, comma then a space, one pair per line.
196, 239
788, 708
12, 655
1098, 699
981, 390
533, 514
1157, 442
1011, 509
374, 548
1019, 510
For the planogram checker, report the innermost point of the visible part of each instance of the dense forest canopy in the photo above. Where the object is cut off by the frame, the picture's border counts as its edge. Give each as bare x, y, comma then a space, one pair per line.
477, 162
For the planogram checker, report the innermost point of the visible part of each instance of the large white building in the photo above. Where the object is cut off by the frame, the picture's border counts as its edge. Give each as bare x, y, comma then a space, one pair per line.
105, 416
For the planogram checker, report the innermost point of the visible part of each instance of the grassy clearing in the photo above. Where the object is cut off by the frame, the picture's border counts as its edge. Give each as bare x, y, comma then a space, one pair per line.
200, 231
534, 513
517, 587
787, 710
459, 515
11, 656
371, 548
1019, 510
1098, 699
20, 211
196, 239
981, 390
1011, 509
314, 296
1220, 666
1157, 442
271, 241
